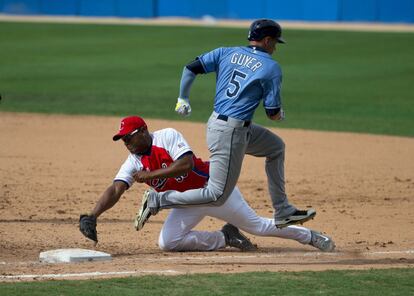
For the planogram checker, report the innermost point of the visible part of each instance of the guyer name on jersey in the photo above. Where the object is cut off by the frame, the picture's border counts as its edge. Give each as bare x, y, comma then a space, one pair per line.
245, 61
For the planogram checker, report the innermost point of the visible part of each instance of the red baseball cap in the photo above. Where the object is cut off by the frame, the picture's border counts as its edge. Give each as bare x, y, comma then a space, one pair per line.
128, 125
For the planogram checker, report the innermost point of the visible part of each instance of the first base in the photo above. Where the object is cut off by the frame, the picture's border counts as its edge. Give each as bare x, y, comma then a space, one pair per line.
72, 255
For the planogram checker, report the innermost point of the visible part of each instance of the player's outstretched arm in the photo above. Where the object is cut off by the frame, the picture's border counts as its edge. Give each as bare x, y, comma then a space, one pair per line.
183, 102
109, 198
187, 78
87, 222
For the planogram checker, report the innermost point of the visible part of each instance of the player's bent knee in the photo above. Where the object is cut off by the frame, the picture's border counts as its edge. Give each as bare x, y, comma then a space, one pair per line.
214, 196
168, 245
277, 153
220, 201
218, 197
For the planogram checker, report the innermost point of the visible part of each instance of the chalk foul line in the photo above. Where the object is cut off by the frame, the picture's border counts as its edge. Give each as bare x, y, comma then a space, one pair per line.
85, 274
170, 271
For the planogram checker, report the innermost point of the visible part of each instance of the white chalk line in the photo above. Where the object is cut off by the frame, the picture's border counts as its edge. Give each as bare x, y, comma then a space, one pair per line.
170, 271
19, 262
85, 274
389, 252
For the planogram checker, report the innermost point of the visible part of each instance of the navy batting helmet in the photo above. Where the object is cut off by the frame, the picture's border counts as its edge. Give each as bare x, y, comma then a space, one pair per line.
259, 29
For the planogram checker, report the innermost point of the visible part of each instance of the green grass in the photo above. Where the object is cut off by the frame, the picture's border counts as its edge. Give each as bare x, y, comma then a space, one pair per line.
369, 282
344, 81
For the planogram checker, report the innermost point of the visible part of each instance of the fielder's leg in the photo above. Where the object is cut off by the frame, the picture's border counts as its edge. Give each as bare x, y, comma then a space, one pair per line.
176, 233
237, 212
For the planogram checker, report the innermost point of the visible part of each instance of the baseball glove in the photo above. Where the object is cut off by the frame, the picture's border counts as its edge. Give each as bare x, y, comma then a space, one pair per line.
87, 225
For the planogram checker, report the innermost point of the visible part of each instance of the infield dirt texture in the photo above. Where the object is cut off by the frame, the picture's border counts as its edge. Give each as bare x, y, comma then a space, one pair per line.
55, 167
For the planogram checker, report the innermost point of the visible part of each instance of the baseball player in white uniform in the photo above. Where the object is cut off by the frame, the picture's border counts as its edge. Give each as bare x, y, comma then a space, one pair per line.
164, 160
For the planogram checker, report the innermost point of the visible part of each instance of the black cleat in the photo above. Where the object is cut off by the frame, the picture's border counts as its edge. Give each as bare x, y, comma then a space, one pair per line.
235, 239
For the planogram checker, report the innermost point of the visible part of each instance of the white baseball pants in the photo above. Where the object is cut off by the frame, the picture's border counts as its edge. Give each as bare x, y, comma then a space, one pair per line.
177, 234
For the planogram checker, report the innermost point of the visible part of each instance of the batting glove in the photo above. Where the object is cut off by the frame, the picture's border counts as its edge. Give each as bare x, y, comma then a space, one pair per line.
183, 107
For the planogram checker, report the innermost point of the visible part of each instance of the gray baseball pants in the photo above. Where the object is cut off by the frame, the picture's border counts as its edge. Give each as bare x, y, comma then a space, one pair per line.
228, 142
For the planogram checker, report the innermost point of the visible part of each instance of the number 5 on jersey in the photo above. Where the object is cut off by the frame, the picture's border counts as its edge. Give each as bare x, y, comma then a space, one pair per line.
234, 84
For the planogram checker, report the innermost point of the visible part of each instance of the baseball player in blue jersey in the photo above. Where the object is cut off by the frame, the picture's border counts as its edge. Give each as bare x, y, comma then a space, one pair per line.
245, 75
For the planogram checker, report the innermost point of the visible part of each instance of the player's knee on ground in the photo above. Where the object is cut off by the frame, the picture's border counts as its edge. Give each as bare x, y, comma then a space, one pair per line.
169, 244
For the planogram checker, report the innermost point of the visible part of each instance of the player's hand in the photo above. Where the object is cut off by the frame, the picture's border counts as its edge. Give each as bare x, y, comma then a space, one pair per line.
183, 107
281, 115
142, 176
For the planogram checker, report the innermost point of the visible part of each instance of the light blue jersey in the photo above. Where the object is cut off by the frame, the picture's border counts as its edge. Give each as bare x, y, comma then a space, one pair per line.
245, 75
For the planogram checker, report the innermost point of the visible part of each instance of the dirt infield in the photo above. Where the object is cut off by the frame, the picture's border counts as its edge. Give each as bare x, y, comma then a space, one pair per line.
55, 167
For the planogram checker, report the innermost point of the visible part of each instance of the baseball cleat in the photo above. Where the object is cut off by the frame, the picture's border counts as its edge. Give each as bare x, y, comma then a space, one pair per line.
298, 217
235, 239
144, 212
322, 242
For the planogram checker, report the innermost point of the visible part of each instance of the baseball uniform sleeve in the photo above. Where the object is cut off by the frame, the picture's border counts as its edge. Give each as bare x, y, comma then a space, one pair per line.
127, 170
271, 91
210, 59
175, 143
